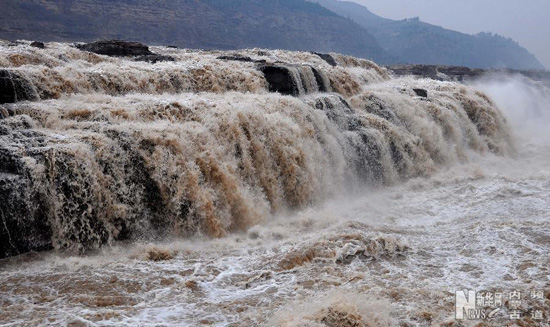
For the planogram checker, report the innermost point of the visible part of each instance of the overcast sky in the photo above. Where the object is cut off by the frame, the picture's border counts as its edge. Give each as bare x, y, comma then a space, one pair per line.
526, 21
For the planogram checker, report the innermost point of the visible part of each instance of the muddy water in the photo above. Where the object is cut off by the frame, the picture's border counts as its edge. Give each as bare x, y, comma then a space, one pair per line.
393, 257
214, 202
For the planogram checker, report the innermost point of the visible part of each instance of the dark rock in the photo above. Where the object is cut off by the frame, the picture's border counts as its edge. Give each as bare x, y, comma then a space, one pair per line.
240, 58
421, 92
338, 111
319, 80
326, 57
236, 58
464, 74
447, 73
172, 46
14, 43
154, 58
14, 88
416, 70
23, 224
280, 80
28, 198
22, 227
365, 152
140, 178
64, 193
116, 48
39, 45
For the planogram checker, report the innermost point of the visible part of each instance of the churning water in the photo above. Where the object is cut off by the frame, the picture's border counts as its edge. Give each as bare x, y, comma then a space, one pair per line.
187, 193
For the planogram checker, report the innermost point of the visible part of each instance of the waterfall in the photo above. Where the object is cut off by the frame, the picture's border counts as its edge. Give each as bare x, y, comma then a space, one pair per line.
112, 149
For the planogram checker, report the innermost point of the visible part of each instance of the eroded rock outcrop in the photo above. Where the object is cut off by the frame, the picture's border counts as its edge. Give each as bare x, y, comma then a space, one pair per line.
14, 87
441, 73
295, 80
328, 58
464, 74
154, 58
421, 92
280, 80
39, 45
116, 48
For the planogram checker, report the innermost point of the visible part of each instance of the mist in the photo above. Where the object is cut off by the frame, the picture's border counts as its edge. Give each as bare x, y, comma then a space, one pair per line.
525, 103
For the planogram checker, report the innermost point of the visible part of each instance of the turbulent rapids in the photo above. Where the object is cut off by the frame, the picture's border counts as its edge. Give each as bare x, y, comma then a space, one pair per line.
95, 149
171, 187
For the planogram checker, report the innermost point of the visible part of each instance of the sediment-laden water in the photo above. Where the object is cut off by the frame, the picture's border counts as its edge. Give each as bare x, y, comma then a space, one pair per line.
263, 187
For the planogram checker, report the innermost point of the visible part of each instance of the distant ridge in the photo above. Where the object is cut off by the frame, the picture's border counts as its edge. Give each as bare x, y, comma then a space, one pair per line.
315, 25
415, 42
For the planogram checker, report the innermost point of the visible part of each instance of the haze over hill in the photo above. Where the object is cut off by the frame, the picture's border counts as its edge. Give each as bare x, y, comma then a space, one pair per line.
524, 21
413, 41
342, 27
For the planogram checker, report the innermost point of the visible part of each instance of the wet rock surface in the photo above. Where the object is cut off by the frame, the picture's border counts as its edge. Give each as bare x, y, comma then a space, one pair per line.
280, 80
13, 87
328, 58
116, 48
154, 58
464, 74
240, 58
23, 225
455, 73
421, 92
295, 80
39, 45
